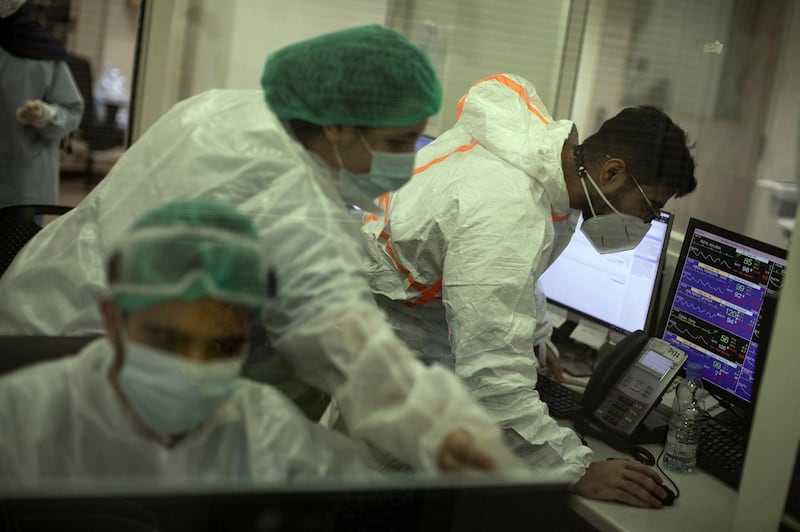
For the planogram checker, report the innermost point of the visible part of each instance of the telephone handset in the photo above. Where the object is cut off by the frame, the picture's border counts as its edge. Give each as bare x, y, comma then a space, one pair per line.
625, 387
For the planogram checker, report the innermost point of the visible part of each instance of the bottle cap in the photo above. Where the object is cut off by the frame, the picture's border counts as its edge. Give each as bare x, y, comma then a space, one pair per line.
694, 369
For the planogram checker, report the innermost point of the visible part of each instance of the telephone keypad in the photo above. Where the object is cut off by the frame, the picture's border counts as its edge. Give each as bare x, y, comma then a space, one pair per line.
621, 411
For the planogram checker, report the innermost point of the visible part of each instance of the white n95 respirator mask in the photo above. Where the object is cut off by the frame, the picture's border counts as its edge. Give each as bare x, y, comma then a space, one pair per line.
614, 231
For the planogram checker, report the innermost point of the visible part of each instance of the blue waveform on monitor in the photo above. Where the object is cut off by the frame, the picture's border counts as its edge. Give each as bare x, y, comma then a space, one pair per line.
696, 281
702, 311
715, 260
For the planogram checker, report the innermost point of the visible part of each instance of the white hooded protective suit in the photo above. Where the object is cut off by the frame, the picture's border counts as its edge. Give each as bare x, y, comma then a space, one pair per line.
455, 259
228, 145
63, 420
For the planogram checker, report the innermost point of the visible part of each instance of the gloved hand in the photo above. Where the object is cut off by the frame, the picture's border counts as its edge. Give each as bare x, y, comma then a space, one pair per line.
34, 113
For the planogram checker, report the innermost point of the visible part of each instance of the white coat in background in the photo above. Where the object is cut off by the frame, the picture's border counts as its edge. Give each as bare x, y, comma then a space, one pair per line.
63, 421
455, 259
228, 145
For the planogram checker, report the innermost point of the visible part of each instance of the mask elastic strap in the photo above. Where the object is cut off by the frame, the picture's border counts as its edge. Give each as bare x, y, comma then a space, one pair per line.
603, 196
583, 173
338, 156
586, 193
365, 143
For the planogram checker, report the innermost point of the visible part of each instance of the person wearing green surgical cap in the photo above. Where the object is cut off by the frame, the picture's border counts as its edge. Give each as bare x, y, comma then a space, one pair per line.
333, 126
361, 112
159, 397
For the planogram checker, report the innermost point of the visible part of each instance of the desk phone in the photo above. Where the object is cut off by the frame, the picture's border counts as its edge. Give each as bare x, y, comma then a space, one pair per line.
640, 386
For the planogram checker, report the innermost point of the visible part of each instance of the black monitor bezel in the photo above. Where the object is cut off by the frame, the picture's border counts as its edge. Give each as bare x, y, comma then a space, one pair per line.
745, 408
476, 503
651, 320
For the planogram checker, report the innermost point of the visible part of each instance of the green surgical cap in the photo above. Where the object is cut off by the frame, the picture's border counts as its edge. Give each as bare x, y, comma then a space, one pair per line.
189, 250
368, 76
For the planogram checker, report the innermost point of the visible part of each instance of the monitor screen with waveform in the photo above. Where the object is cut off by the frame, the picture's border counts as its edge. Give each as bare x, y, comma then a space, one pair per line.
720, 307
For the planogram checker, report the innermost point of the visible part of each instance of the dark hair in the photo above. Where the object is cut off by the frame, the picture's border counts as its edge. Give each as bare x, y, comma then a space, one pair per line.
305, 130
651, 144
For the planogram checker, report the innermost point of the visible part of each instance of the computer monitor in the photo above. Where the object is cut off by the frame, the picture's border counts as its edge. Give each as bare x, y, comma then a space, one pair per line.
616, 290
720, 308
423, 141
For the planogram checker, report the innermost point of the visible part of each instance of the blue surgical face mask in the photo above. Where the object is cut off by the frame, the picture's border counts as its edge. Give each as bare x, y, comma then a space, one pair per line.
614, 231
387, 172
172, 394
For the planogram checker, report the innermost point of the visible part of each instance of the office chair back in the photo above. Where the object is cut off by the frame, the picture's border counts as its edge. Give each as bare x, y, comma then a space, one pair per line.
17, 352
18, 225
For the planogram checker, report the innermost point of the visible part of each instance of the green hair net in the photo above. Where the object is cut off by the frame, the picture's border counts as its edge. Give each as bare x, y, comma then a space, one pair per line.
189, 250
367, 76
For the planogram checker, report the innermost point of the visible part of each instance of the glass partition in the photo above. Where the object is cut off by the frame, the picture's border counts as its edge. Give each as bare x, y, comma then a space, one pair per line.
724, 70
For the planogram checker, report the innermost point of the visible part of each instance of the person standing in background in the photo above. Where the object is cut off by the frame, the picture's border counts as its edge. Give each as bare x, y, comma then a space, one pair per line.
39, 105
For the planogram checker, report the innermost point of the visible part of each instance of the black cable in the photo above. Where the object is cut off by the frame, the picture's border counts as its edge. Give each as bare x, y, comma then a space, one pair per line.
727, 405
658, 465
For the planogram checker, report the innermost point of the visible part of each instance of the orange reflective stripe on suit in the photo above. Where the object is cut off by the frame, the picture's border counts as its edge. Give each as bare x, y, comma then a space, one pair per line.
514, 86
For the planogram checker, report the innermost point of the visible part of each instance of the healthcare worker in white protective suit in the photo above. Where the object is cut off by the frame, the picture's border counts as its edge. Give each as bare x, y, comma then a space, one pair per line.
39, 105
159, 398
493, 201
341, 109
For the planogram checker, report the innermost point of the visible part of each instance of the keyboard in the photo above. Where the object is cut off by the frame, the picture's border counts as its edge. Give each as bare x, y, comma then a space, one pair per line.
562, 402
721, 451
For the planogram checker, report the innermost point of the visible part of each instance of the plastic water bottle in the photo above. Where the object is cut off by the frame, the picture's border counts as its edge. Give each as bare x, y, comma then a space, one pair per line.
688, 409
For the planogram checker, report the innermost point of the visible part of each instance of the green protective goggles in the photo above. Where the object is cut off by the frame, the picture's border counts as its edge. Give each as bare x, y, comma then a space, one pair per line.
189, 263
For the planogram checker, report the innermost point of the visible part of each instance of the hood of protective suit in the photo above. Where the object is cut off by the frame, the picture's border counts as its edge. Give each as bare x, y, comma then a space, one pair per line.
505, 115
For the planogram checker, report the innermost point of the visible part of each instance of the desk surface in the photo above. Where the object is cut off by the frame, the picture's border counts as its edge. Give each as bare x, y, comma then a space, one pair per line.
705, 503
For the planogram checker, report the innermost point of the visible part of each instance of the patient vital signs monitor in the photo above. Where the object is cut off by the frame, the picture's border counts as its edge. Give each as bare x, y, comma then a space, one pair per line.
720, 307
616, 290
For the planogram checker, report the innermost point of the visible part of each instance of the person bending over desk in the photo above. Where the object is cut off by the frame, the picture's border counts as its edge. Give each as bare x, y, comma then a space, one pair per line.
493, 202
336, 121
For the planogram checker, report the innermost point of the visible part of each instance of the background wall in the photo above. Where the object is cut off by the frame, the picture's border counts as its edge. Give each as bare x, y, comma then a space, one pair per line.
225, 44
471, 39
105, 34
266, 25
654, 51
